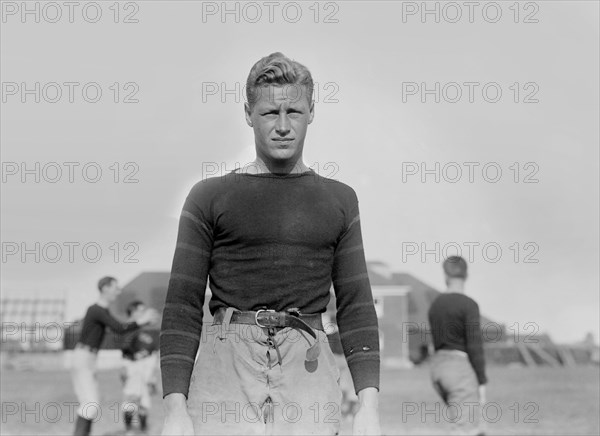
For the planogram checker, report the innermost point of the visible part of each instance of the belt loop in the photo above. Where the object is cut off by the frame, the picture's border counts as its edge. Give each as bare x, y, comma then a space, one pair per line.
227, 318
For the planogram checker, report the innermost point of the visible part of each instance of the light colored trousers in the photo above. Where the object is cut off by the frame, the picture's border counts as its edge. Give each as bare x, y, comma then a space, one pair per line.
140, 373
455, 381
239, 388
83, 374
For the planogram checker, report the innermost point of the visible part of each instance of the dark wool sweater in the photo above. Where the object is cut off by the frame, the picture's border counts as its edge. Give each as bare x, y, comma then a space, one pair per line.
95, 322
274, 241
455, 325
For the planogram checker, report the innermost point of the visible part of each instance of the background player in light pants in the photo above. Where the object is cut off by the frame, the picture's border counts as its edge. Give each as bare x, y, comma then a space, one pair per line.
458, 366
83, 372
140, 364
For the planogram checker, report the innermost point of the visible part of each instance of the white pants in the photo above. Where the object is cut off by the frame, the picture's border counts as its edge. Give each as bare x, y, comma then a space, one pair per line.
140, 373
83, 373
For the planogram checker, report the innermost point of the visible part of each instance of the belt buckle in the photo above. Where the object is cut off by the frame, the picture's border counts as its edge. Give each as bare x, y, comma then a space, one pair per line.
256, 317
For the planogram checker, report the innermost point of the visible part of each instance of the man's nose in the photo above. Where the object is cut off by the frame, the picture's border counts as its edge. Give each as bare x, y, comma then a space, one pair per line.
283, 125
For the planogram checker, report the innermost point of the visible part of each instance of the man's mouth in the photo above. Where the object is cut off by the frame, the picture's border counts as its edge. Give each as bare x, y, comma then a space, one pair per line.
283, 139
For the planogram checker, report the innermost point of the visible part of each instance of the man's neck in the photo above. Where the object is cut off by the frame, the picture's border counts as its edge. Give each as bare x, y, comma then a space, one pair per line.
259, 166
456, 285
102, 302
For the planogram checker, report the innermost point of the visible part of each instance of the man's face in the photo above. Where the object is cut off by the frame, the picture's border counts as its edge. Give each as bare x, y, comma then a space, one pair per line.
112, 291
280, 118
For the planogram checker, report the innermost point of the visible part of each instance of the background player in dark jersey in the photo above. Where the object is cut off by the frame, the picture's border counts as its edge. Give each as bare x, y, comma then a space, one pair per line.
96, 320
140, 363
272, 238
458, 366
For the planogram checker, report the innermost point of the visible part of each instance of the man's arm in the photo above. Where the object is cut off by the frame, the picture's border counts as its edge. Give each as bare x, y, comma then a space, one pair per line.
113, 323
474, 342
182, 317
357, 322
356, 317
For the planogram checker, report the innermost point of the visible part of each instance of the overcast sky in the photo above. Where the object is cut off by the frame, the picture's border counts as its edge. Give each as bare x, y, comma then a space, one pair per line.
532, 229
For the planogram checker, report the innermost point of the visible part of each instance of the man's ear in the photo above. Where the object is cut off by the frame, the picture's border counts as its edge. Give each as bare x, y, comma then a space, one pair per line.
248, 114
312, 112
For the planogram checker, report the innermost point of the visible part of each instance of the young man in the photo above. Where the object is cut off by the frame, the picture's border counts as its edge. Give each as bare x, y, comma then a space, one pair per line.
140, 362
458, 366
96, 320
272, 238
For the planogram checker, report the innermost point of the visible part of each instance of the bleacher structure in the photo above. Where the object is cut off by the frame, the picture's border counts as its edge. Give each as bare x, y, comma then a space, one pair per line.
32, 323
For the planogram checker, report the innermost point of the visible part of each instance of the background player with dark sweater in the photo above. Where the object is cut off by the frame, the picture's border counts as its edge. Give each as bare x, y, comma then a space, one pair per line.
458, 366
97, 319
272, 238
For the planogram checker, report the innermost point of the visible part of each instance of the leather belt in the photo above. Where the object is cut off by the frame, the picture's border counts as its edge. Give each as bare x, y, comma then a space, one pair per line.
271, 319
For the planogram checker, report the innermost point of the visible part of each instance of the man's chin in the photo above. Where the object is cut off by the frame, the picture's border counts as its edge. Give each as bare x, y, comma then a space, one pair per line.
283, 155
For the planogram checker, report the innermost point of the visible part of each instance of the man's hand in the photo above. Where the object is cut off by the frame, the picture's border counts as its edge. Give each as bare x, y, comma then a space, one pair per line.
366, 419
177, 420
482, 394
149, 316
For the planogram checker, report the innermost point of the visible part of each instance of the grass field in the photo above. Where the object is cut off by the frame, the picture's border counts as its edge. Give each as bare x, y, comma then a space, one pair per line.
523, 401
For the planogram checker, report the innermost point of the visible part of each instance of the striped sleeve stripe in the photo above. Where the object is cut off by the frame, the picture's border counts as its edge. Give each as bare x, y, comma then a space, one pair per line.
193, 248
361, 329
195, 219
354, 221
188, 278
369, 354
173, 332
351, 279
363, 355
359, 305
177, 357
350, 250
179, 306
